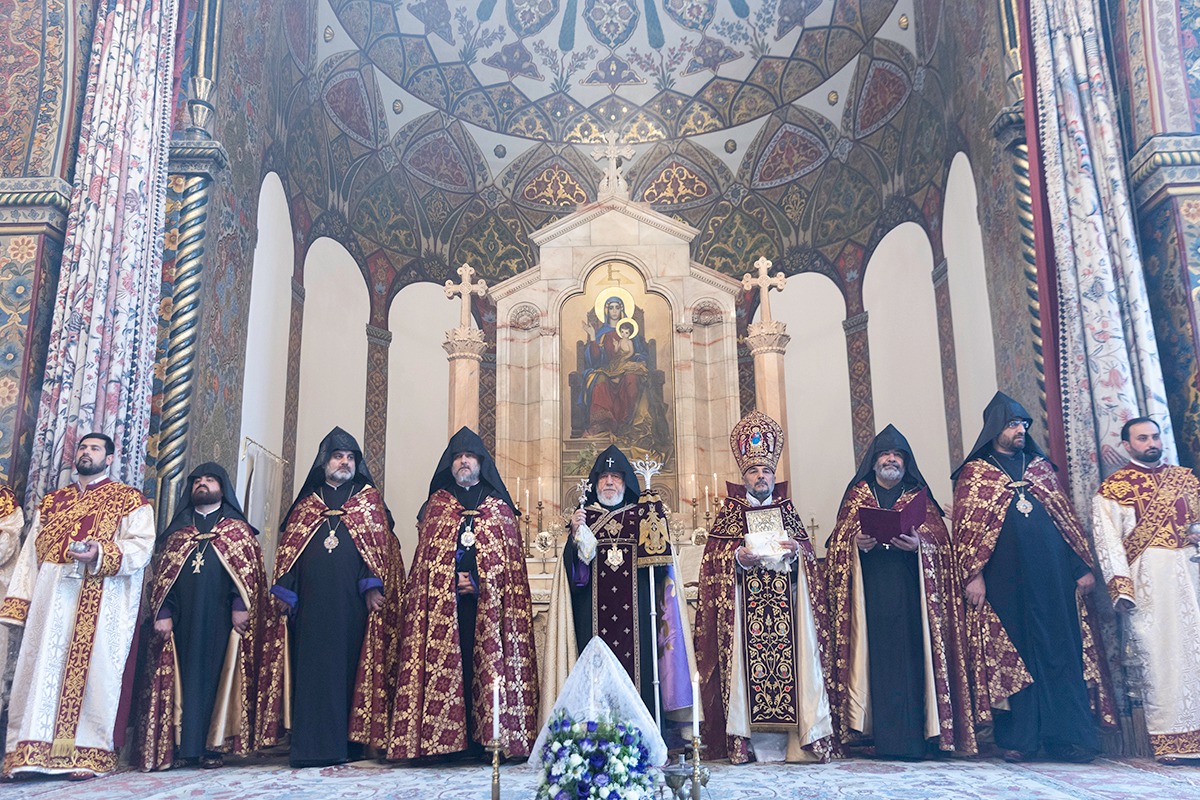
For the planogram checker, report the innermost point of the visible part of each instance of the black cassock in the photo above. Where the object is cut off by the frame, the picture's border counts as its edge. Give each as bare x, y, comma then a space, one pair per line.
467, 604
200, 605
1030, 582
895, 643
325, 634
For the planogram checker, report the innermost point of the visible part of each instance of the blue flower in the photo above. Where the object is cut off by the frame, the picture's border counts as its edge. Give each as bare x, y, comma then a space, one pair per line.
562, 796
627, 739
592, 725
602, 780
582, 789
598, 760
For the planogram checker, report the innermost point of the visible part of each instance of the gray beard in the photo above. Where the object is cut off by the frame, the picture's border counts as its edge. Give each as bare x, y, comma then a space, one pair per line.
612, 502
759, 496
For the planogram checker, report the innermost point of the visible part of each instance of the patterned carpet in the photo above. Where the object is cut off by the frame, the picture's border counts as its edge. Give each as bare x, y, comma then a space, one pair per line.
846, 780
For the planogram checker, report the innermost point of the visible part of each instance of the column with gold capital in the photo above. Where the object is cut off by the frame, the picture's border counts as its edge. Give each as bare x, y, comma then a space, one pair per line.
768, 341
464, 347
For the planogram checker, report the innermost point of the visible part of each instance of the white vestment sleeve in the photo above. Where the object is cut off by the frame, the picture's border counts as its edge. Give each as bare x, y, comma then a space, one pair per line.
585, 543
20, 586
135, 542
1110, 521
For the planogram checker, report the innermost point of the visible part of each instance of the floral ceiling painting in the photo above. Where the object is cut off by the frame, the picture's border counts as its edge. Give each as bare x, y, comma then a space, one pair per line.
426, 133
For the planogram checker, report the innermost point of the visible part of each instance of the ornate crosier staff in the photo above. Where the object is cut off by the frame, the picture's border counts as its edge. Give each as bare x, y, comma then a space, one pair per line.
648, 468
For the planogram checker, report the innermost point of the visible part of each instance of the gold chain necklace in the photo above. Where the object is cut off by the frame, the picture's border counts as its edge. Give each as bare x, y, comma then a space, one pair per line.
1023, 504
331, 540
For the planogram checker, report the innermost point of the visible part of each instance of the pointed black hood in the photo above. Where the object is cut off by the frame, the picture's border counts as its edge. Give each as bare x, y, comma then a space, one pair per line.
230, 507
336, 439
613, 460
892, 439
999, 411
468, 441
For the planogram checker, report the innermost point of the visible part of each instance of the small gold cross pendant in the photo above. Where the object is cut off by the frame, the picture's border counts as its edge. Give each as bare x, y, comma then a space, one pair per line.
197, 563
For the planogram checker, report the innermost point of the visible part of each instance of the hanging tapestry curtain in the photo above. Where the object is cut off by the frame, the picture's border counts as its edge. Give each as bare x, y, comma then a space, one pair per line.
103, 335
1108, 362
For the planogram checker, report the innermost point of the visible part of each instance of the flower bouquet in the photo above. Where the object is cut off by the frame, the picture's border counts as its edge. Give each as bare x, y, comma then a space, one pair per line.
603, 759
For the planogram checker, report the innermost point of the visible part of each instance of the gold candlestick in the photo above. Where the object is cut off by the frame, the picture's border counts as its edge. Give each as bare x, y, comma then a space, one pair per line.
540, 506
695, 501
496, 771
695, 767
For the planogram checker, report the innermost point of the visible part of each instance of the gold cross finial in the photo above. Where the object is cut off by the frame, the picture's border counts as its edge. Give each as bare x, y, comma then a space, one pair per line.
764, 283
466, 289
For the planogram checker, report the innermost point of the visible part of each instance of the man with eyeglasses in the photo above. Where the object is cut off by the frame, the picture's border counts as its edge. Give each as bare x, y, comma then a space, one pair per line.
1026, 567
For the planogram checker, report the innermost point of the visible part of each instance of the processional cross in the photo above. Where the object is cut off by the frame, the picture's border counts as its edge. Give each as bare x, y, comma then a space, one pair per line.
466, 289
613, 182
764, 283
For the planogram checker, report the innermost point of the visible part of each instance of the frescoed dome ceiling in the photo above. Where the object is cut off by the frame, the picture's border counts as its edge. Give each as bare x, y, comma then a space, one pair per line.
425, 133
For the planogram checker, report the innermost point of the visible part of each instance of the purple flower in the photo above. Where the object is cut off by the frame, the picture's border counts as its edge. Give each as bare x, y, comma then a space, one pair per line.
562, 796
627, 739
592, 725
582, 789
602, 780
597, 760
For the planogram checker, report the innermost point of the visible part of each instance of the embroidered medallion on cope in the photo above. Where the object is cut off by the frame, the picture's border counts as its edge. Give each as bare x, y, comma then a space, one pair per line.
233, 545
628, 539
982, 496
1166, 501
768, 619
365, 518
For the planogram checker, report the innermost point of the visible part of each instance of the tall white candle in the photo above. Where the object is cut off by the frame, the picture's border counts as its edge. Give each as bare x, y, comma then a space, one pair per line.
695, 705
706, 497
496, 711
716, 486
694, 495
539, 490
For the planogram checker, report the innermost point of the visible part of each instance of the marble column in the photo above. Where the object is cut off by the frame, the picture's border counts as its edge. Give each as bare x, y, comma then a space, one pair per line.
464, 348
768, 342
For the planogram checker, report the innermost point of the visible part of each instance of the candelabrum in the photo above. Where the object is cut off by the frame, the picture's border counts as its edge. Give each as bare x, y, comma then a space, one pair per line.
527, 533
496, 771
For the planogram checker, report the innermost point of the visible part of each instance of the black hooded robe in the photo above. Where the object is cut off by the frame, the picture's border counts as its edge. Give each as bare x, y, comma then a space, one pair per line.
1030, 583
200, 605
326, 631
893, 609
581, 587
490, 485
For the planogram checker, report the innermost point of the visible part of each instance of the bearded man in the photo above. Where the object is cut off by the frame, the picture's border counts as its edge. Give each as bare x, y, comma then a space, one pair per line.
1142, 522
617, 554
338, 577
468, 618
1026, 568
762, 639
76, 590
208, 601
898, 621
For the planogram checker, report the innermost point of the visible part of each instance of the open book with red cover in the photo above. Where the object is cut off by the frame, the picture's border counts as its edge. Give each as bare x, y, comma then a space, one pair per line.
883, 524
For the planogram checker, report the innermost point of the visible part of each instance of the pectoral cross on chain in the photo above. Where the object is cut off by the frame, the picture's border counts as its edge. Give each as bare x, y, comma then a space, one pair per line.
198, 562
466, 289
764, 283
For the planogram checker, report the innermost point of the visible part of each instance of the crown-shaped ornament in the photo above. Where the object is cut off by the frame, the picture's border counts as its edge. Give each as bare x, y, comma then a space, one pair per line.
757, 440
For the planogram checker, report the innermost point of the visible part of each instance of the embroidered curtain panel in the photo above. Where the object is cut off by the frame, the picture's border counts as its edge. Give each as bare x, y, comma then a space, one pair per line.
103, 336
1109, 367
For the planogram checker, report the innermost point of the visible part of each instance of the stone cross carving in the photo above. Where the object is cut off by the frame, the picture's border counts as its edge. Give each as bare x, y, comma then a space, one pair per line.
764, 284
466, 289
613, 182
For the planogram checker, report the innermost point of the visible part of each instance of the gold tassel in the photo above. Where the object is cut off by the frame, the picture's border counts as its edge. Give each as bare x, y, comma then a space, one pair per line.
62, 748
